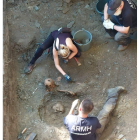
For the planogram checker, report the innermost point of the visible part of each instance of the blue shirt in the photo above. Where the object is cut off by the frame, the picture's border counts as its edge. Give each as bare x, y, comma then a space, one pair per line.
81, 128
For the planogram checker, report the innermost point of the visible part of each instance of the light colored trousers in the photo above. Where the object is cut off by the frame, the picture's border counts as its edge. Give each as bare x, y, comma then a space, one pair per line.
104, 114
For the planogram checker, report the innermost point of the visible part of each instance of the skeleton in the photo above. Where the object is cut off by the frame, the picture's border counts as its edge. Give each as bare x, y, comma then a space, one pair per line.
58, 107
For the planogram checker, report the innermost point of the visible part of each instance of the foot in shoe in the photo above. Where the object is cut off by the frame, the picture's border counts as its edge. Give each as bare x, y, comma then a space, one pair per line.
122, 47
29, 68
113, 92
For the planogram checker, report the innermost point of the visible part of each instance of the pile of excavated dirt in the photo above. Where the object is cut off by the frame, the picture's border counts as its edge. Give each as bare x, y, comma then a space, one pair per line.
28, 104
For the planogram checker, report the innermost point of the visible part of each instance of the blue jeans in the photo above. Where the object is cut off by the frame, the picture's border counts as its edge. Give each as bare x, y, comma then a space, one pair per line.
121, 38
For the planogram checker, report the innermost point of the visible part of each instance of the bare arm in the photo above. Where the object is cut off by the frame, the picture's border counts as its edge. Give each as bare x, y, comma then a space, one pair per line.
56, 61
121, 29
71, 111
74, 104
72, 47
105, 12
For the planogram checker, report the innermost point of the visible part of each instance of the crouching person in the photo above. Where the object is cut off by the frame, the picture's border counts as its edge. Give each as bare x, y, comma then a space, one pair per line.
120, 21
62, 45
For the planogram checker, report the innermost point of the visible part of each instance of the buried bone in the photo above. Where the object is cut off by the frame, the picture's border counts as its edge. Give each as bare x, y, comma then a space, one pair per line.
58, 107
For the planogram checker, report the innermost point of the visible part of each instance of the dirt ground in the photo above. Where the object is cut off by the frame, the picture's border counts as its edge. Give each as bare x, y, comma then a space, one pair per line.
103, 67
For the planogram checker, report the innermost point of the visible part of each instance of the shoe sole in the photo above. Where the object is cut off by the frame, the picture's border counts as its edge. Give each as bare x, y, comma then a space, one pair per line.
31, 69
122, 49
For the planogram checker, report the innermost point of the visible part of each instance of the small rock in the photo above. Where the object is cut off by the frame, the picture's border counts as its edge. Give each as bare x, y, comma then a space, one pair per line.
59, 78
70, 24
80, 3
89, 62
65, 10
22, 9
41, 31
11, 1
16, 16
36, 8
45, 1
22, 75
119, 116
79, 11
37, 24
67, 1
87, 6
120, 136
40, 84
59, 9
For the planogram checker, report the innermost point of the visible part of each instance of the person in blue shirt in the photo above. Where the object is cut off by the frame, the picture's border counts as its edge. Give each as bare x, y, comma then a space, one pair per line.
84, 127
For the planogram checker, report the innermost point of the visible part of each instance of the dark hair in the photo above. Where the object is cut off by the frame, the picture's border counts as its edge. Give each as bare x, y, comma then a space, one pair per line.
86, 106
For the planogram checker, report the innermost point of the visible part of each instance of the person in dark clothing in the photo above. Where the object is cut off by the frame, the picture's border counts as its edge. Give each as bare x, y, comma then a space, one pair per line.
120, 21
66, 48
84, 127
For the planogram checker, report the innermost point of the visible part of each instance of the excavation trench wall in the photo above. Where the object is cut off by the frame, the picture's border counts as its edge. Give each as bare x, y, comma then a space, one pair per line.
9, 86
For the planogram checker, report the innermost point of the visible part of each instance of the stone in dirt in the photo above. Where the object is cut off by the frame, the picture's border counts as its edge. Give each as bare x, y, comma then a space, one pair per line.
36, 8
45, 1
59, 9
11, 1
65, 10
120, 136
25, 44
70, 24
67, 1
80, 3
59, 3
59, 78
37, 24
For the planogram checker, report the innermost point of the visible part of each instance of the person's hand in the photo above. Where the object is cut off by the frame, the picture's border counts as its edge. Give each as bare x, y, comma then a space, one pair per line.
108, 24
67, 77
65, 61
75, 103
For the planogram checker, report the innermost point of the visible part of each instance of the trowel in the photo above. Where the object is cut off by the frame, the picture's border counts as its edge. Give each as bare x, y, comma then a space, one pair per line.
21, 134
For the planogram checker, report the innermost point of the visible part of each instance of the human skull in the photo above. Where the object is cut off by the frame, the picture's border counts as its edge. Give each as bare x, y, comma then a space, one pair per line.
58, 107
49, 83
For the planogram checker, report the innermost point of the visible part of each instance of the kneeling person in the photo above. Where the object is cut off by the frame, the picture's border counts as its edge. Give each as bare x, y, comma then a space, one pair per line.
82, 127
63, 45
120, 21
